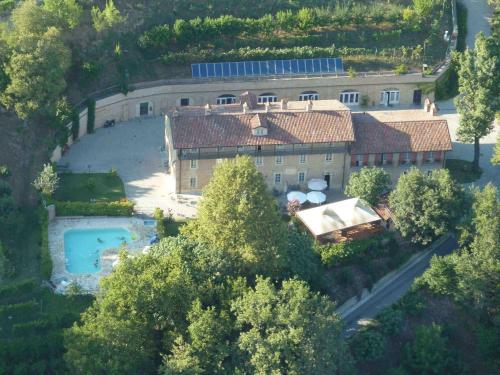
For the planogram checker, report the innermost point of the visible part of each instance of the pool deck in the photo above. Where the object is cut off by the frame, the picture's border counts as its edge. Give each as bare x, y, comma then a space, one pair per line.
90, 282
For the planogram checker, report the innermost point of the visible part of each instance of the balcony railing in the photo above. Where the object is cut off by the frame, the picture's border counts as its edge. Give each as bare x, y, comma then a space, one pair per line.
222, 154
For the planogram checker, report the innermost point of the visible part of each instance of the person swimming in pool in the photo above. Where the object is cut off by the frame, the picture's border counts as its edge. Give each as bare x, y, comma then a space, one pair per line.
96, 263
99, 240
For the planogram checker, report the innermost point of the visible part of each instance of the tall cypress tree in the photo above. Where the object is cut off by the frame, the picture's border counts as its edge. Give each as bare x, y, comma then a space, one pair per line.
478, 88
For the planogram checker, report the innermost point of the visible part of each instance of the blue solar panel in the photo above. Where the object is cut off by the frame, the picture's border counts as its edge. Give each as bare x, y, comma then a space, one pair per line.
316, 65
338, 65
268, 67
195, 69
264, 70
256, 68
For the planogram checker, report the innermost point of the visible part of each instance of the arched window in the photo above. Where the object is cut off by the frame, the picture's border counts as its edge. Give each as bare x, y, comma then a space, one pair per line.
389, 96
267, 97
308, 95
226, 99
349, 97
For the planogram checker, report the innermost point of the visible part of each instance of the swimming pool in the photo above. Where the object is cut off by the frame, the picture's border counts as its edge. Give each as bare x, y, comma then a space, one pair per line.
83, 247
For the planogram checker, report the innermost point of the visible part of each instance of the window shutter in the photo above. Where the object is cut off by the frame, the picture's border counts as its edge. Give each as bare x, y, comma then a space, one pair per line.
438, 156
389, 157
378, 159
365, 159
413, 157
353, 159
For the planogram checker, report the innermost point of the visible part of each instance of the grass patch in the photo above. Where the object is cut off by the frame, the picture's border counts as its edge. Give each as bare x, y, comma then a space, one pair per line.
89, 187
461, 170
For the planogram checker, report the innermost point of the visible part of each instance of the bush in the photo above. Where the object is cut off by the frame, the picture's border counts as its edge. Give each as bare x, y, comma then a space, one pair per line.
161, 228
7, 5
90, 115
4, 171
411, 303
401, 69
368, 345
391, 321
116, 208
45, 258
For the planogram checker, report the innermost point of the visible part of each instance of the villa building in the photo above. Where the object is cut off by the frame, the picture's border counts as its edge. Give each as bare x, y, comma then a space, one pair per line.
294, 141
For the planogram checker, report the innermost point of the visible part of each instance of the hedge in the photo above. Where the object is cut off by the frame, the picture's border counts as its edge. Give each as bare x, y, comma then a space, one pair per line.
116, 208
22, 287
45, 258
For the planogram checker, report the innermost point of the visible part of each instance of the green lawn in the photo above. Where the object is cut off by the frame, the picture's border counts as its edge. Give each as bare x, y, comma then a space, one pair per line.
461, 170
84, 187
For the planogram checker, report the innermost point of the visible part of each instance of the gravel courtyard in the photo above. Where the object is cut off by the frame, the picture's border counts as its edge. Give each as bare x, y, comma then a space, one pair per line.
135, 149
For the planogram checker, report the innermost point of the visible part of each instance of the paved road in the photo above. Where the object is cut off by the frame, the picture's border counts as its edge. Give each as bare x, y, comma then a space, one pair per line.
392, 292
478, 18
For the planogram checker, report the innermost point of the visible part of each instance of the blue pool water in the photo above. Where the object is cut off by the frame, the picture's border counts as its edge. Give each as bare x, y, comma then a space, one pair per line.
83, 247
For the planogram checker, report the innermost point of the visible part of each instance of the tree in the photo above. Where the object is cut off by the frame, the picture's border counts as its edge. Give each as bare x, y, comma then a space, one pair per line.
369, 345
472, 276
239, 216
64, 13
139, 310
368, 184
425, 207
289, 330
36, 74
428, 353
47, 181
6, 268
108, 18
478, 88
495, 159
208, 346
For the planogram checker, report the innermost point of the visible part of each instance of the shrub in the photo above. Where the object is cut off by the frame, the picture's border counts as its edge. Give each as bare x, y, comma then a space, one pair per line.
428, 353
411, 303
401, 69
5, 189
391, 321
7, 5
368, 345
345, 276
113, 172
116, 208
4, 171
161, 228
6, 267
45, 258
90, 115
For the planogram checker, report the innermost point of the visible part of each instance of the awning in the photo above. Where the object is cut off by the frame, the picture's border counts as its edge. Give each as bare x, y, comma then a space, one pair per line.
341, 215
317, 184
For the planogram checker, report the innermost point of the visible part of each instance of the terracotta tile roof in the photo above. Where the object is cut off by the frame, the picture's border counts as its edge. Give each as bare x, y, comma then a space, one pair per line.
193, 130
374, 136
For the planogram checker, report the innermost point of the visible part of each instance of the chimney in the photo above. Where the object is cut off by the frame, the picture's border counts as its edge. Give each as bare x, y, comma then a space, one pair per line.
245, 107
434, 109
427, 104
309, 105
284, 104
175, 112
266, 106
208, 110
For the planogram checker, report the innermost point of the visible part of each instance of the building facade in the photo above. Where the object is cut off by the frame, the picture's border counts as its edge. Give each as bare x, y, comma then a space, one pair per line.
292, 142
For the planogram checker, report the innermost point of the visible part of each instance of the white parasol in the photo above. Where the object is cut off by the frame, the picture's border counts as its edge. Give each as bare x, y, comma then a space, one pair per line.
317, 184
296, 196
316, 197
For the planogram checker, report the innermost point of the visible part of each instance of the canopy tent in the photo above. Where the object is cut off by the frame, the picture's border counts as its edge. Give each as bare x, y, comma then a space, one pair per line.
317, 184
296, 196
316, 197
337, 216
